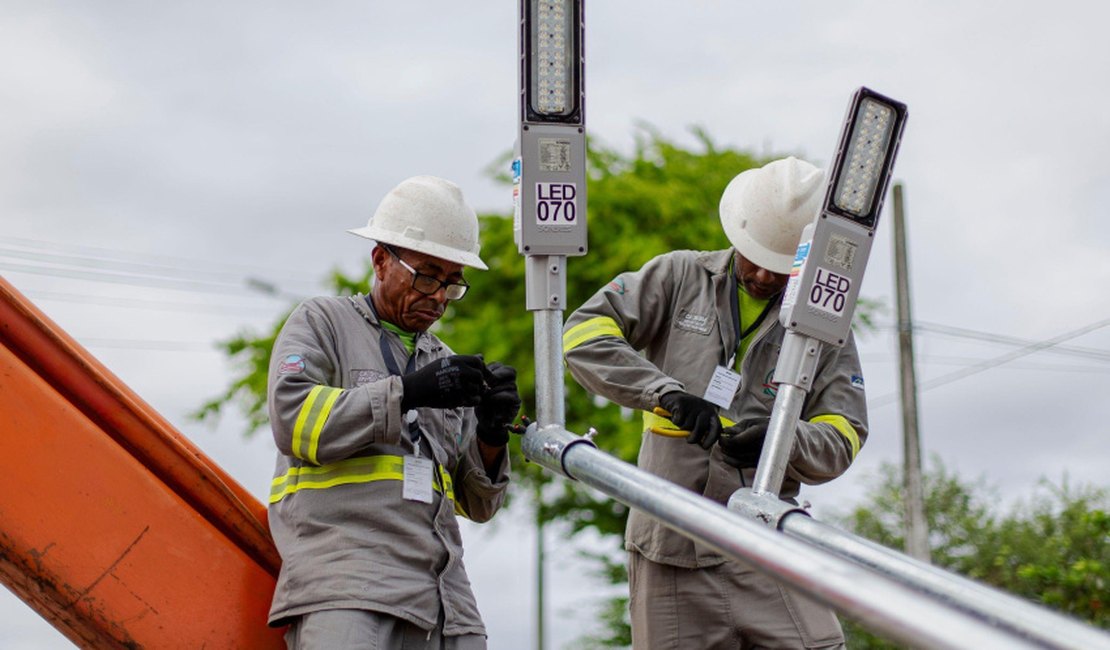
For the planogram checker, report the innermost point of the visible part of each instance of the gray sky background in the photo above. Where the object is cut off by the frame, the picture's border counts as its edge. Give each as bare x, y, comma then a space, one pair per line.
228, 141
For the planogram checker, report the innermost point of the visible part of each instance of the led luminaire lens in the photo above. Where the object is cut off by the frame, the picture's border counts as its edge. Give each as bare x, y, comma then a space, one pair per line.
552, 57
863, 166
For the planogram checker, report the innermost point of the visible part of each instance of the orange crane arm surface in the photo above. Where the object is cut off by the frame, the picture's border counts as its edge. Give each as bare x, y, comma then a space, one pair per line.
113, 526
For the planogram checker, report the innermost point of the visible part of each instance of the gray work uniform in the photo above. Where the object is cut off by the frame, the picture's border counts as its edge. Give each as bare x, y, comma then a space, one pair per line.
348, 540
667, 327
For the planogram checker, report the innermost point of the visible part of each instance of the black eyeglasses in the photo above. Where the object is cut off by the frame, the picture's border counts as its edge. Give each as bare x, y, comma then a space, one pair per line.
429, 284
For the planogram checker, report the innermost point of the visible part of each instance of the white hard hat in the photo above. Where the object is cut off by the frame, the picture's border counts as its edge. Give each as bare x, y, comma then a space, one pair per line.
764, 210
428, 215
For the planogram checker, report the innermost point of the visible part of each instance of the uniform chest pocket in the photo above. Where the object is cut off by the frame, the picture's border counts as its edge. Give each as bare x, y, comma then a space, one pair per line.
694, 322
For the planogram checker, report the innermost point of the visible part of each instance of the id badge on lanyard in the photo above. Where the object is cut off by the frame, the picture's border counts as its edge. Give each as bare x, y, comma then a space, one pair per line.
418, 471
722, 386
725, 381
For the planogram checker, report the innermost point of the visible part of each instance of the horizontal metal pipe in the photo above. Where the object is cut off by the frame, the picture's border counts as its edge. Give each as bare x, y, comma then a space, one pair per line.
1036, 623
877, 601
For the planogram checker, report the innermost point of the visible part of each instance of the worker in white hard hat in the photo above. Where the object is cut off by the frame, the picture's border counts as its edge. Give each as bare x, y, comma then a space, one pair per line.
384, 437
691, 340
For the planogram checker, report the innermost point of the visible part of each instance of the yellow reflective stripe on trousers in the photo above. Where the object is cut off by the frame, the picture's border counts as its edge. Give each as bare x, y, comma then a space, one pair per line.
664, 427
841, 424
364, 469
314, 413
590, 329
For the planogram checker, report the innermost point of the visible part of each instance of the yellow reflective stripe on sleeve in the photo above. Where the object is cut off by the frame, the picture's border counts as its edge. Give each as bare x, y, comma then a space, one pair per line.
302, 417
364, 469
657, 423
590, 329
841, 424
325, 411
312, 417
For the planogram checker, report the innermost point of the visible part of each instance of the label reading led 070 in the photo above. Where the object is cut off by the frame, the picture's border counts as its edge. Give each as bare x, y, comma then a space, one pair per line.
829, 292
556, 203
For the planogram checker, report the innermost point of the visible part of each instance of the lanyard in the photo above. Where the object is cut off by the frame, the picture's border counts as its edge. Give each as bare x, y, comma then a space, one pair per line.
743, 334
394, 369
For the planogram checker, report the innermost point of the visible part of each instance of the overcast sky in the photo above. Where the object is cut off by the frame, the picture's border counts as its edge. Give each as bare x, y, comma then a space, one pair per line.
196, 145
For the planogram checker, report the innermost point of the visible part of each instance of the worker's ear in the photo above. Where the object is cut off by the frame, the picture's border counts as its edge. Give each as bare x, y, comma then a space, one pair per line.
378, 257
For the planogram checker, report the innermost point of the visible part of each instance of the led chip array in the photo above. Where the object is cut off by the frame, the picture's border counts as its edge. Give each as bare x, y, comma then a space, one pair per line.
866, 154
552, 58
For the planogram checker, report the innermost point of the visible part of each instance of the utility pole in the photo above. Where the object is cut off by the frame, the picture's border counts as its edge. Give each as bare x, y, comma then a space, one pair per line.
540, 553
917, 529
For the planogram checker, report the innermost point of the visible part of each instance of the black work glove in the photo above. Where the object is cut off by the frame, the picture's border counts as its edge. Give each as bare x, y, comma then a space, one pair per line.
742, 443
695, 415
443, 384
499, 406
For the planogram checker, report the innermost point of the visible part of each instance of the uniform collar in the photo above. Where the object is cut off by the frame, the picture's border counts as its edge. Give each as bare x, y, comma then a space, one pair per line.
716, 262
425, 341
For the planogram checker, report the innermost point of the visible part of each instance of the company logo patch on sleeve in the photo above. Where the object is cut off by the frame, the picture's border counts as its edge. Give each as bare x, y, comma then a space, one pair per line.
857, 381
291, 364
616, 285
770, 388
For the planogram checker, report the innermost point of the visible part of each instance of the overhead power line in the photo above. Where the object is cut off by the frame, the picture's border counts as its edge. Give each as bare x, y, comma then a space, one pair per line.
990, 337
195, 278
155, 305
129, 279
140, 344
103, 265
994, 362
163, 264
954, 360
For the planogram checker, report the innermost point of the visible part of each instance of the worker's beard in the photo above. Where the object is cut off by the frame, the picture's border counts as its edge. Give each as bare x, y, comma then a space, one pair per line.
422, 314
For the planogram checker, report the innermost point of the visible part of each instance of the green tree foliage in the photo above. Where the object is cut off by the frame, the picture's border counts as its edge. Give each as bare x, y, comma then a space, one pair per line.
1053, 549
662, 197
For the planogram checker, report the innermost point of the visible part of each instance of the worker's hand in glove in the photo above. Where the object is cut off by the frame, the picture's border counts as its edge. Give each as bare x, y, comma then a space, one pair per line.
499, 406
695, 415
445, 383
742, 443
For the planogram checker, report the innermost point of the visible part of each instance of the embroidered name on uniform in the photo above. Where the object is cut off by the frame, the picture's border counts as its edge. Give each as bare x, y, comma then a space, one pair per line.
694, 322
360, 377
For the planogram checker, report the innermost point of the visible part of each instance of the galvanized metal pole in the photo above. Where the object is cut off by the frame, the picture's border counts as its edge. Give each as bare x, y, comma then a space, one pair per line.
882, 604
794, 375
540, 570
1023, 617
917, 527
546, 295
545, 298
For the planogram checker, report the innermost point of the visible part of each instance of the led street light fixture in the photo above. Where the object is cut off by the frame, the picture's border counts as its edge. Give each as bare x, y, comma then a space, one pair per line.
549, 165
865, 157
553, 52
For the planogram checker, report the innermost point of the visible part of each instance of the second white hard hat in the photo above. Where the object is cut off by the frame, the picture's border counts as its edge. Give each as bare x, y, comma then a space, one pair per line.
764, 210
428, 215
